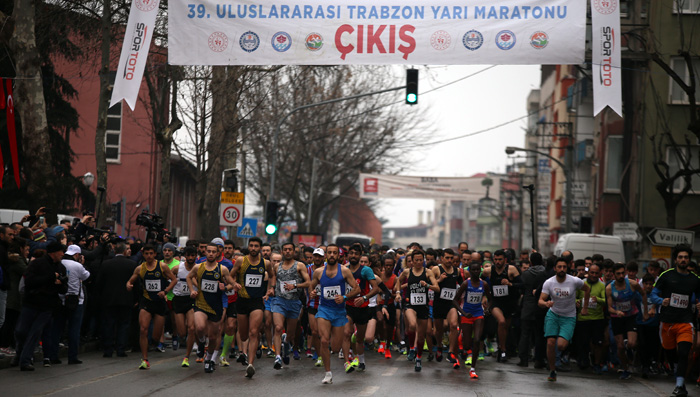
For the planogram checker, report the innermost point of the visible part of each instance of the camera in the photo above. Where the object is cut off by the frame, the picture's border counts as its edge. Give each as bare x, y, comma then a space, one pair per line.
153, 223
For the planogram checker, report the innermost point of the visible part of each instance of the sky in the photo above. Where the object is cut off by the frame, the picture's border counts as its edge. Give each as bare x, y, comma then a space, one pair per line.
493, 96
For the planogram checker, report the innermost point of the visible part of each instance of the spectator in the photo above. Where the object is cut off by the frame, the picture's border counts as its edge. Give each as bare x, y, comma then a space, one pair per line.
17, 266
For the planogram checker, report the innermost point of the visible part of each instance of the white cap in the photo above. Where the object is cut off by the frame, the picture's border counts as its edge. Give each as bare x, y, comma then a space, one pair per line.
319, 251
72, 250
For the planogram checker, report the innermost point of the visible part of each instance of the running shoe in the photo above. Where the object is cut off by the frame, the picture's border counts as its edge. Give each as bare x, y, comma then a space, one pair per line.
160, 348
278, 363
199, 360
249, 371
308, 353
340, 355
361, 367
295, 354
176, 344
314, 357
348, 367
438, 356
481, 357
387, 354
430, 356
679, 391
328, 379
270, 353
625, 375
502, 357
200, 349
258, 353
223, 362
243, 359
418, 366
47, 362
208, 366
468, 361
411, 355
552, 376
472, 374
185, 362
144, 364
319, 362
380, 350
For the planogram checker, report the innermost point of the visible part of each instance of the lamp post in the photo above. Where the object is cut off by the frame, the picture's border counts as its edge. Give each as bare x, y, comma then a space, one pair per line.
567, 175
88, 179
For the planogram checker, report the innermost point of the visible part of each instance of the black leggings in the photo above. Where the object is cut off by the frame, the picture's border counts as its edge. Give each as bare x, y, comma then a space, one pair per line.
681, 356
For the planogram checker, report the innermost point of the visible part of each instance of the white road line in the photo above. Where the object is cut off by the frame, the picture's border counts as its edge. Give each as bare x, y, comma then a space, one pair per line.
369, 390
390, 372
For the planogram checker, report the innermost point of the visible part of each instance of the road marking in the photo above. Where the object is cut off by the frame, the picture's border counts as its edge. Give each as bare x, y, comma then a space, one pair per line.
369, 390
391, 371
101, 378
651, 387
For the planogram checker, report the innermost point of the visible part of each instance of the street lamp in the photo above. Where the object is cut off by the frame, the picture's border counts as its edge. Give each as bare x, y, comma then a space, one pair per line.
565, 169
88, 179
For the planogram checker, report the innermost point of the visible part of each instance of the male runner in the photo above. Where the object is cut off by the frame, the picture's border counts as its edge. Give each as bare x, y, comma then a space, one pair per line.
153, 277
448, 278
673, 291
252, 274
590, 329
386, 309
419, 280
560, 321
291, 277
319, 256
183, 304
206, 282
170, 260
503, 279
473, 308
267, 332
331, 316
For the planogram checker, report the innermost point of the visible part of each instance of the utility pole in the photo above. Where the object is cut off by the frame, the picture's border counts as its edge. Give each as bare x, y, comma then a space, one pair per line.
312, 188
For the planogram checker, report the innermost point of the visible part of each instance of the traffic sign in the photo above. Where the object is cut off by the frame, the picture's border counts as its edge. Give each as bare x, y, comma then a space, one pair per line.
231, 208
249, 228
671, 237
627, 231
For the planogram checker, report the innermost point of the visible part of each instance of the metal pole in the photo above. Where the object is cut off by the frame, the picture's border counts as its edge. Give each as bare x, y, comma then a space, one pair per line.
311, 195
531, 189
275, 138
568, 173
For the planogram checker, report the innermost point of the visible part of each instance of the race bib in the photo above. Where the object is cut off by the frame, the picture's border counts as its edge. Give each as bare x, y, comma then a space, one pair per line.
210, 286
318, 289
625, 306
153, 285
418, 299
500, 290
592, 303
679, 301
330, 293
431, 295
448, 293
185, 288
474, 297
253, 280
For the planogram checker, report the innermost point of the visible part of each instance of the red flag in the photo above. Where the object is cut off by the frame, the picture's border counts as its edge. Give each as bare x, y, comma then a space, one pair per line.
2, 106
11, 131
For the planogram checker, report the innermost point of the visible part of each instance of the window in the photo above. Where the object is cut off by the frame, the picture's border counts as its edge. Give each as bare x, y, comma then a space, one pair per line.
673, 164
686, 6
613, 164
676, 93
113, 133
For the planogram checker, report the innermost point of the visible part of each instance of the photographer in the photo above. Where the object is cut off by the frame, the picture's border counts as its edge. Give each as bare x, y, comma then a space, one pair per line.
44, 280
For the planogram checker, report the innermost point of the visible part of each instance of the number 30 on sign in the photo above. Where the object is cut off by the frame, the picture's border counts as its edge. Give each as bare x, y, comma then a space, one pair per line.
230, 215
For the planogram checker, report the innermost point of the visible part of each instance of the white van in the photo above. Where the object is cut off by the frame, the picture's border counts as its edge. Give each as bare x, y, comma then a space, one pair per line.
583, 245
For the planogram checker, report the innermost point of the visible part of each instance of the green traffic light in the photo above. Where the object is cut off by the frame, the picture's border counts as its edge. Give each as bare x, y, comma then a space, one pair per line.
411, 98
270, 229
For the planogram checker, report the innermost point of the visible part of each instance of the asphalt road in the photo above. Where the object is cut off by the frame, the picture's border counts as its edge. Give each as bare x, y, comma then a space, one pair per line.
99, 376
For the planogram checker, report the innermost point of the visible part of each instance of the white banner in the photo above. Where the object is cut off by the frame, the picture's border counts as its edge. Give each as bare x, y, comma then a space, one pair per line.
333, 32
137, 40
607, 87
426, 187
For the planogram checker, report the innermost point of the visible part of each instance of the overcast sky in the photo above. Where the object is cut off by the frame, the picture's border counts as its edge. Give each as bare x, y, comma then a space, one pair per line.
485, 100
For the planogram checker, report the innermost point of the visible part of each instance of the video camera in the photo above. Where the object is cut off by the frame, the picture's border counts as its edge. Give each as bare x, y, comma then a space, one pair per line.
153, 223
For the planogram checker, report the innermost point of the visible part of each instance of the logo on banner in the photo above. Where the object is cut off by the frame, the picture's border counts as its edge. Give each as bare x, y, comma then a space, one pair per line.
605, 6
281, 41
440, 40
371, 186
473, 40
218, 42
607, 47
249, 41
314, 42
132, 59
539, 40
505, 39
146, 5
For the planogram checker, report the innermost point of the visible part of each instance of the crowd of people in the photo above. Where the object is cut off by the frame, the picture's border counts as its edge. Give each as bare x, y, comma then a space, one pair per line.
70, 283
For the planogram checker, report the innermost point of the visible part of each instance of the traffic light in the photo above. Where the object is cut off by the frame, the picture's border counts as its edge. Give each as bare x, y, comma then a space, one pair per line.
271, 213
231, 180
412, 86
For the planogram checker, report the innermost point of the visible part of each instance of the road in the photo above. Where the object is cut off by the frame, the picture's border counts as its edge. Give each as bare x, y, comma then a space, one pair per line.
99, 376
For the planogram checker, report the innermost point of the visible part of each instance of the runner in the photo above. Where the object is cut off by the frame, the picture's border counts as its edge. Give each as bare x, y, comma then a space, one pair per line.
152, 304
386, 308
417, 313
183, 304
561, 317
673, 291
503, 279
444, 312
358, 309
312, 306
472, 311
291, 276
623, 310
331, 316
267, 333
170, 260
206, 282
252, 274
590, 329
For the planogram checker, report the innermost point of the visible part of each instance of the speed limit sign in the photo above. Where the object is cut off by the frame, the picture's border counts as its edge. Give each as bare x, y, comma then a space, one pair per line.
231, 209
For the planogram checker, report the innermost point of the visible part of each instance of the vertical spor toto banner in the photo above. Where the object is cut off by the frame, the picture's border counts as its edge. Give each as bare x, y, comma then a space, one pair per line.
333, 32
606, 73
137, 41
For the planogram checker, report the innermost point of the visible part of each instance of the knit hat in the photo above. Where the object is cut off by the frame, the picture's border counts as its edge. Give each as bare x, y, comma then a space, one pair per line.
169, 246
38, 235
